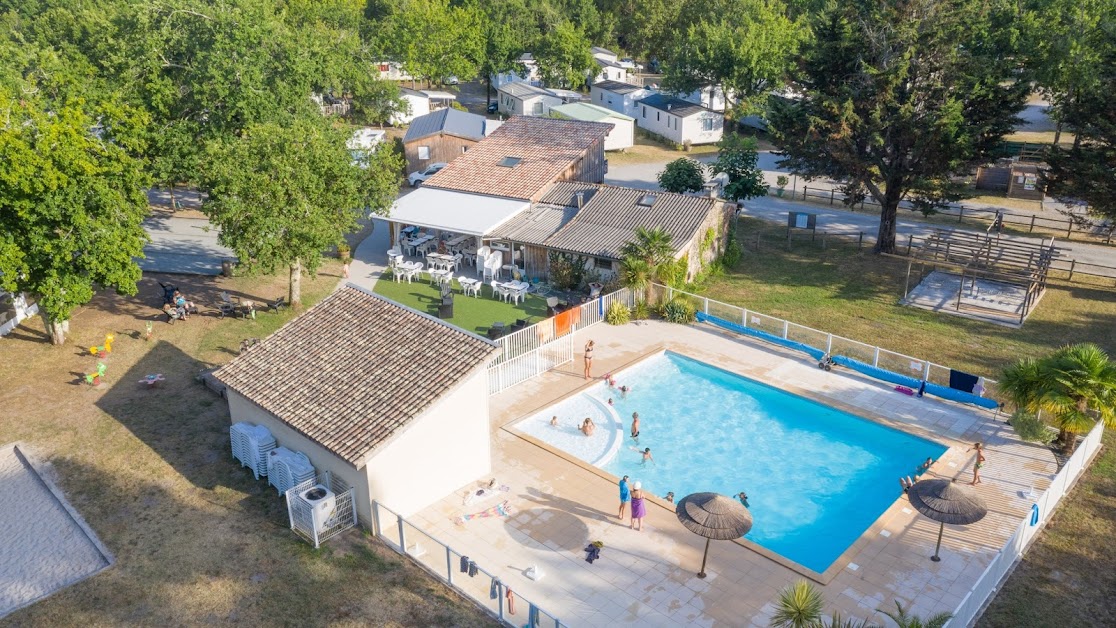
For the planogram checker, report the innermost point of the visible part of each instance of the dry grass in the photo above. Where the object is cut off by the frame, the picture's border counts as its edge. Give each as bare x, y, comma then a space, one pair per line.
197, 540
857, 295
647, 151
1040, 137
1068, 576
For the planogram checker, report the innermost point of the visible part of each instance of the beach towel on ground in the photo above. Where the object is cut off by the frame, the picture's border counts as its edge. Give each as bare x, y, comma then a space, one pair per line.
499, 510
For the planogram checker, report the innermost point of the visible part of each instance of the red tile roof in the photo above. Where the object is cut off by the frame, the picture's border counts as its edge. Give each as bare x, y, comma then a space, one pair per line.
547, 147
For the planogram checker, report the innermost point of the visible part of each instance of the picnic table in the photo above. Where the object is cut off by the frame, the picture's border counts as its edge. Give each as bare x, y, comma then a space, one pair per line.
457, 240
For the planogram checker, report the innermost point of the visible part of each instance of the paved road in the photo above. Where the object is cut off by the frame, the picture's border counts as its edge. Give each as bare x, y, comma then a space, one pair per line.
182, 245
643, 176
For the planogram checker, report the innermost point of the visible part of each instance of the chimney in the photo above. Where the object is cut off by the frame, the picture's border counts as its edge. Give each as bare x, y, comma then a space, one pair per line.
580, 198
669, 105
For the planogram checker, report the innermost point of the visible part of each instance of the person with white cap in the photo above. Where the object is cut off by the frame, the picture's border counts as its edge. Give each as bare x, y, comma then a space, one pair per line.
639, 508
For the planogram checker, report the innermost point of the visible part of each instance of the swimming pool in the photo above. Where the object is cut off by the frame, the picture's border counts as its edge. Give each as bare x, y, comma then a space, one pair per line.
816, 477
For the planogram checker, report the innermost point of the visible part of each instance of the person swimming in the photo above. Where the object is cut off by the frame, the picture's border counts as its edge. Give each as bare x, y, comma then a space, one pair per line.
587, 426
635, 425
554, 421
647, 456
743, 497
670, 497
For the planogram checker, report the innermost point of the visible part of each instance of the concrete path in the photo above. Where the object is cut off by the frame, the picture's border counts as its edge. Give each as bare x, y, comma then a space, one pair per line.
46, 545
370, 256
182, 245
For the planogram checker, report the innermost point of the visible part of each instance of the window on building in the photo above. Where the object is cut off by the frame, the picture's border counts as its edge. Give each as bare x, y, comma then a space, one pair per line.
602, 97
658, 116
537, 109
424, 152
602, 263
510, 161
463, 149
645, 113
647, 200
707, 124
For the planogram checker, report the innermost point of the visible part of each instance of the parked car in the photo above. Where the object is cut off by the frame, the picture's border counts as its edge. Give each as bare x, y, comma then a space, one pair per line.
416, 178
493, 107
450, 80
630, 63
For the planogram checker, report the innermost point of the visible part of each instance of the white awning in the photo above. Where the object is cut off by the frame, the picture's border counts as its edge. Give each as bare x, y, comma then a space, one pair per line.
446, 210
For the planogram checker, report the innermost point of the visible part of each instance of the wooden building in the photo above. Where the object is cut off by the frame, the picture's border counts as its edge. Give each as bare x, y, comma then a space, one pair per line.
442, 136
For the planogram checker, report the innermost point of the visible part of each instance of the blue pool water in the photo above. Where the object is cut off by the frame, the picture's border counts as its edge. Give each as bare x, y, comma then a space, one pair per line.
816, 477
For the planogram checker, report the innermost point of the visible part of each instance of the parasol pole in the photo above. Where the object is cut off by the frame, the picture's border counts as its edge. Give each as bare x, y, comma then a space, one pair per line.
701, 574
938, 547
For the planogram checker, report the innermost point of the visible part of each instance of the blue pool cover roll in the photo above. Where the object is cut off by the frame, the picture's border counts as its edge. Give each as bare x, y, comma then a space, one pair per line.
814, 352
867, 369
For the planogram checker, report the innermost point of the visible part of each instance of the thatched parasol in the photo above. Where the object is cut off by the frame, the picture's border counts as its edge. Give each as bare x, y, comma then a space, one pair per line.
946, 502
714, 517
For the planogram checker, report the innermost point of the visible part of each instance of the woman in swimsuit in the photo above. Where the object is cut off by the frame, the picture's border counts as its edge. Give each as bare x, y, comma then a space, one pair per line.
979, 462
588, 358
587, 426
639, 509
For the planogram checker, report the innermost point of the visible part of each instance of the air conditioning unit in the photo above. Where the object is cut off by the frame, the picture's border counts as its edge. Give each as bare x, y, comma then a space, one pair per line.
323, 504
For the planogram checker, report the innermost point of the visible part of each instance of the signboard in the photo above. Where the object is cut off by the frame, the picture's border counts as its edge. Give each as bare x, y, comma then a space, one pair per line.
802, 220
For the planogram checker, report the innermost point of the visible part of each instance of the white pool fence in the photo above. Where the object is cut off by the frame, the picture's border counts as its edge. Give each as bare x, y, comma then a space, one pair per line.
548, 344
994, 575
455, 569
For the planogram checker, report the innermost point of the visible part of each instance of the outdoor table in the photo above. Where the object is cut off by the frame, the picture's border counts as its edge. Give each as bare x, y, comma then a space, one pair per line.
457, 240
441, 276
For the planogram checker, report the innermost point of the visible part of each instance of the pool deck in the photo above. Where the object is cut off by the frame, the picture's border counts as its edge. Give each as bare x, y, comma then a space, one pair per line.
648, 578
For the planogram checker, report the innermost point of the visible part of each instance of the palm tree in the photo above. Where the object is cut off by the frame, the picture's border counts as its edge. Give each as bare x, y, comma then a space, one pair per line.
800, 606
1076, 385
649, 257
651, 245
903, 619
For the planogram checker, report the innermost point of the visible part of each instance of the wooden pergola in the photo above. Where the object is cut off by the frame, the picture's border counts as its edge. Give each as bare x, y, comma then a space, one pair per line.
978, 256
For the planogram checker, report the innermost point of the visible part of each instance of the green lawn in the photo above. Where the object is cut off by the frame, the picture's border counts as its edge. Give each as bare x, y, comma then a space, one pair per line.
1067, 578
469, 313
856, 294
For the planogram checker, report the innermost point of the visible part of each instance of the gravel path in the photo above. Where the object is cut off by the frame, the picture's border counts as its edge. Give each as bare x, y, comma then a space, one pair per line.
46, 546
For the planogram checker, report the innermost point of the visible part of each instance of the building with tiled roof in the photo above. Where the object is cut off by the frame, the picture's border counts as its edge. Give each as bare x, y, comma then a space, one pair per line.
391, 400
525, 156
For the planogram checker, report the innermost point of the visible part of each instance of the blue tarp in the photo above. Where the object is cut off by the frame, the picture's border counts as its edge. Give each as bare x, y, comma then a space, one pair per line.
814, 352
867, 369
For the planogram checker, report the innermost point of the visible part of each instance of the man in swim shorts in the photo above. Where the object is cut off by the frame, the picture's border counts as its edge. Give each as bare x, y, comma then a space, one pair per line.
635, 425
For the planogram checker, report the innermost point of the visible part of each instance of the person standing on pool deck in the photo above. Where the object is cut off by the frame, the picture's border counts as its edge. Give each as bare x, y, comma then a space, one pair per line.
635, 425
588, 359
979, 462
639, 508
625, 497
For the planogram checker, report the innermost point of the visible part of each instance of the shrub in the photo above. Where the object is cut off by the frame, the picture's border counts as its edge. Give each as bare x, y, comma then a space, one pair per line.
682, 175
617, 314
567, 272
730, 257
641, 311
781, 181
1030, 428
678, 310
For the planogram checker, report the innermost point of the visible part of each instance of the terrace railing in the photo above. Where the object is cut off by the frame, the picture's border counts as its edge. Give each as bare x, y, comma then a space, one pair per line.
546, 345
906, 366
993, 577
483, 587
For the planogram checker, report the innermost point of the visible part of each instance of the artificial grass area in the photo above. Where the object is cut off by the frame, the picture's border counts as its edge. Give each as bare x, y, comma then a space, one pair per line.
475, 314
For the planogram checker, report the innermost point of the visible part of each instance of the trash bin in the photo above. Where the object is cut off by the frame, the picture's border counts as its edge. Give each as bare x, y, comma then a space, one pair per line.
445, 310
226, 267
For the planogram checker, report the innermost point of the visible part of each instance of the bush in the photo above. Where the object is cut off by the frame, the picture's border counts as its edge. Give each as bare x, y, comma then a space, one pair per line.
641, 311
678, 310
730, 257
682, 175
617, 314
1030, 428
567, 272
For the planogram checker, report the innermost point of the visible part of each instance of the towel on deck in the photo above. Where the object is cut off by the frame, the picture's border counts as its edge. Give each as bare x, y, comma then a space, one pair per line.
499, 510
592, 553
962, 381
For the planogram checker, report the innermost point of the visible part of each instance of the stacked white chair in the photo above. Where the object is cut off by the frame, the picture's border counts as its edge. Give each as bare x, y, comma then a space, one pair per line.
250, 445
286, 468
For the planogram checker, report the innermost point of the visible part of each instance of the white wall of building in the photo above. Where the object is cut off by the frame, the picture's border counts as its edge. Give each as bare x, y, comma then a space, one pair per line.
416, 105
611, 73
241, 409
538, 105
622, 134
620, 103
709, 97
439, 452
701, 128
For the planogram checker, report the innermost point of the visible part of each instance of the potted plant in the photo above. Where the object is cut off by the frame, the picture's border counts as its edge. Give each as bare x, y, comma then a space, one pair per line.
343, 251
781, 183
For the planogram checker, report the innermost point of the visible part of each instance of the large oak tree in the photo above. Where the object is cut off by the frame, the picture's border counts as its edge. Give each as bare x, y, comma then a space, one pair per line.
898, 98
